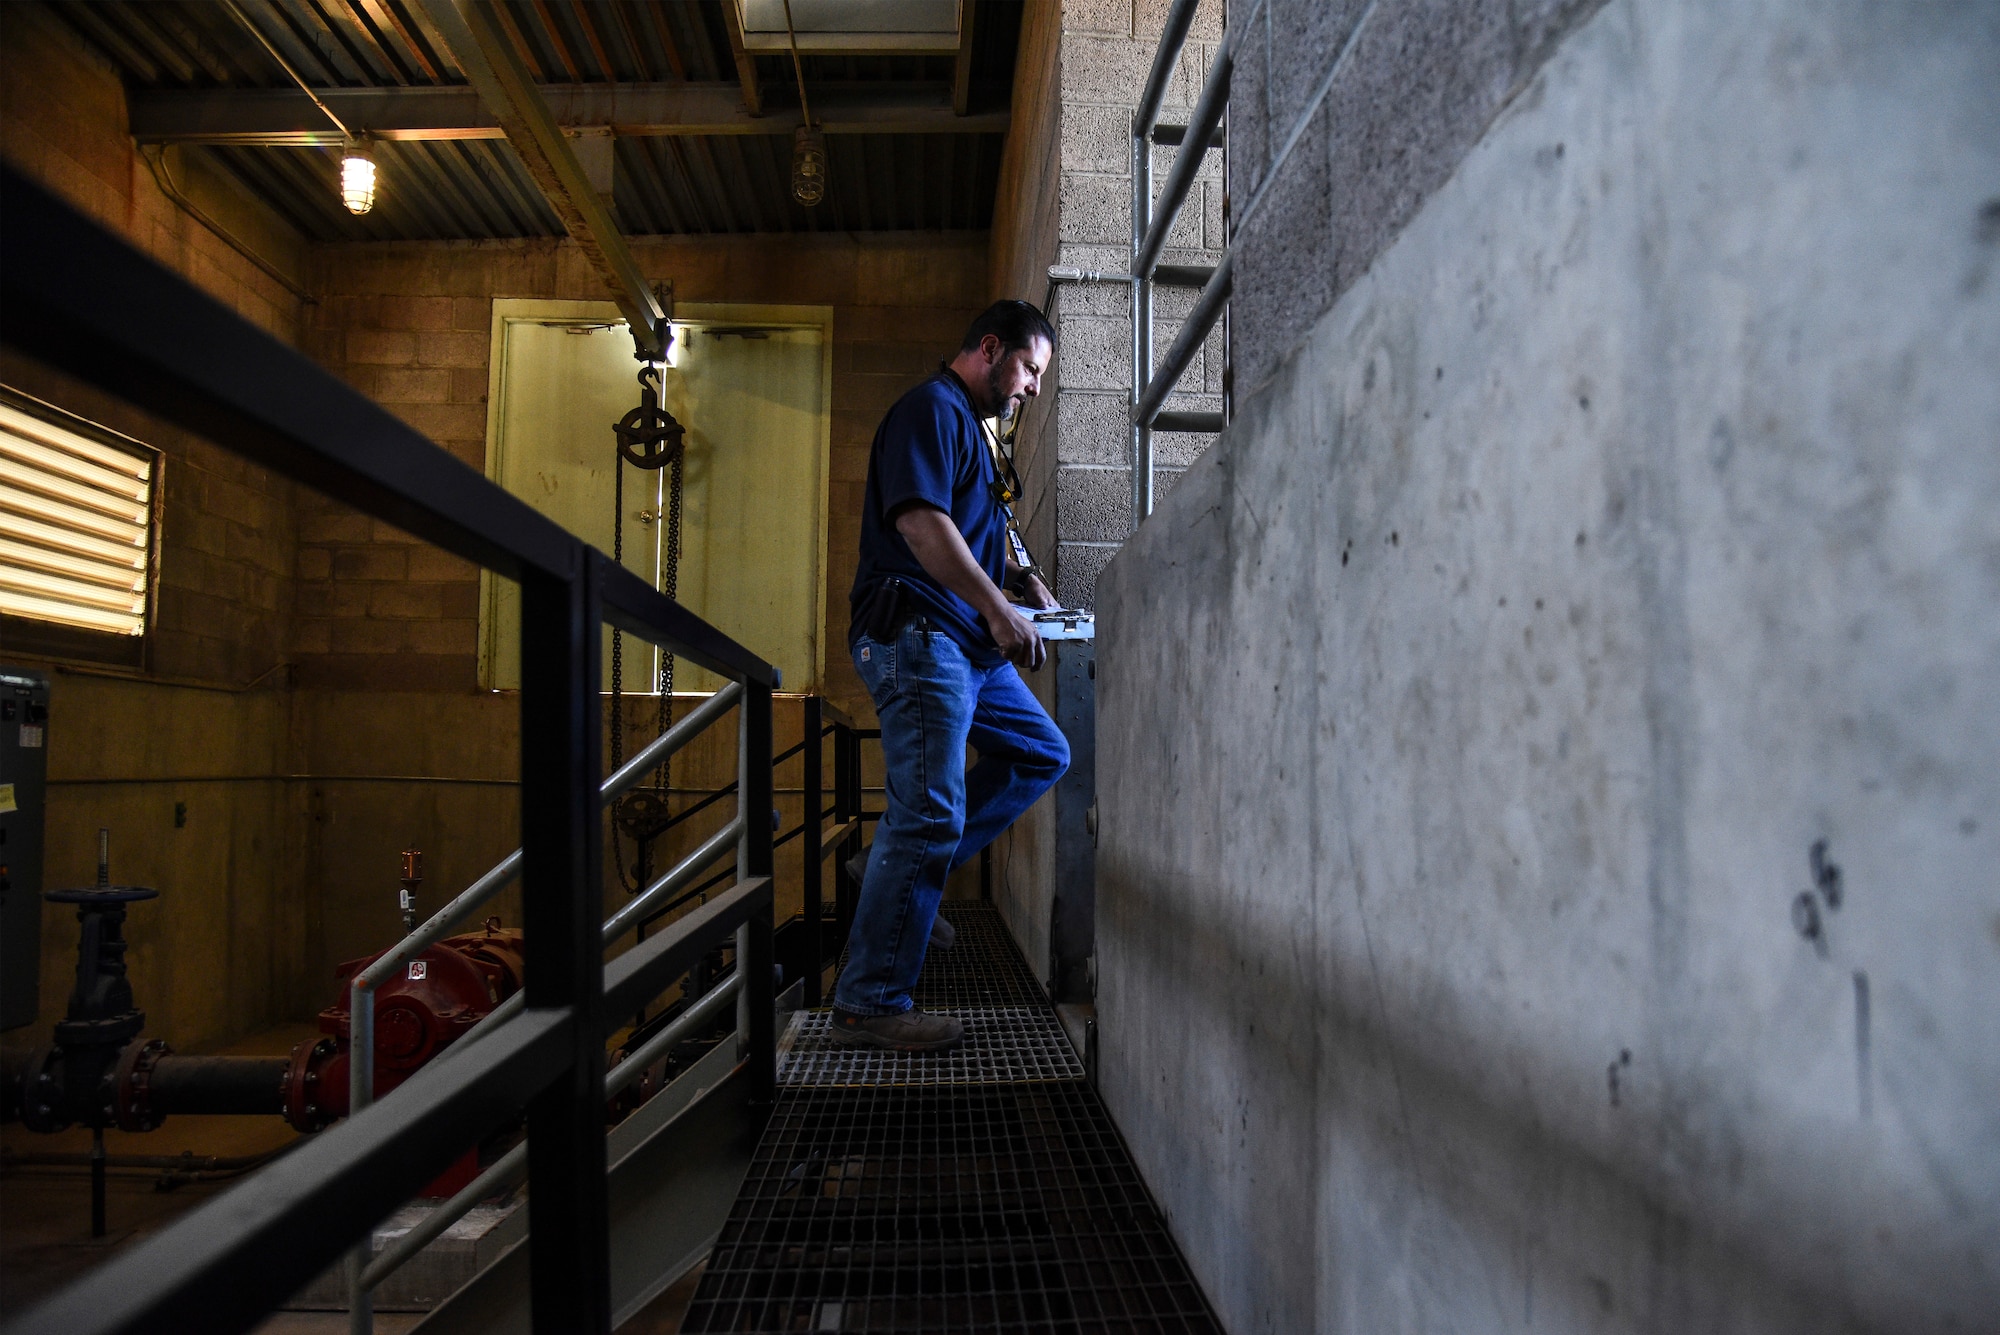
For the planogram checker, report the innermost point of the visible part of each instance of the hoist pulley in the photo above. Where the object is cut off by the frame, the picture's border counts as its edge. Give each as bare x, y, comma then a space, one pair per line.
649, 436
642, 814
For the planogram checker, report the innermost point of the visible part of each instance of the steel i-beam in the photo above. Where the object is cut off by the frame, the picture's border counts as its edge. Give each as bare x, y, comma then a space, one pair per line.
494, 67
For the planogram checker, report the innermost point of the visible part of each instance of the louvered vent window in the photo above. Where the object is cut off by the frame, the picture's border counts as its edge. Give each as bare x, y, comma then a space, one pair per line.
76, 523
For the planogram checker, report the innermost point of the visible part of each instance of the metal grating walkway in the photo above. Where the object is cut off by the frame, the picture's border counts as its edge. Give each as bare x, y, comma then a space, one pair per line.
984, 1190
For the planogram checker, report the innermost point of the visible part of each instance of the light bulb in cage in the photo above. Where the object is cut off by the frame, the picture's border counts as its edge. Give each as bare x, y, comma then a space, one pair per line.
808, 166
357, 178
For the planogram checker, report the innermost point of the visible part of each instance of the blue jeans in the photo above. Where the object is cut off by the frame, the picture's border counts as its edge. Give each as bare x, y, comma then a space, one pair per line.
932, 700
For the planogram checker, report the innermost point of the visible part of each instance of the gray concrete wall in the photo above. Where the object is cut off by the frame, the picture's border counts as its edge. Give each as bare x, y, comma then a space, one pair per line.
1468, 714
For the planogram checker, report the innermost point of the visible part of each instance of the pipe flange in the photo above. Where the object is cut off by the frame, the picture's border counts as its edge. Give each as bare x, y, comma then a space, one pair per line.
41, 1097
128, 1104
303, 1108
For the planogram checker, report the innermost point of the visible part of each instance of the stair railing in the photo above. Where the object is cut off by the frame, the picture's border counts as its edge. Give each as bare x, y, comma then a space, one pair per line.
1153, 220
511, 1167
79, 300
821, 719
364, 1270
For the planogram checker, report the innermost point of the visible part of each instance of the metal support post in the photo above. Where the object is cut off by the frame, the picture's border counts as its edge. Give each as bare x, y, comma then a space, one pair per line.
569, 1247
1181, 352
812, 861
1142, 320
756, 1015
846, 807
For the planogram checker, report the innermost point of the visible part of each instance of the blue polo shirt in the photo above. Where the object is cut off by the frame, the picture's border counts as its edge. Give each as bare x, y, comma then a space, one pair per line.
931, 449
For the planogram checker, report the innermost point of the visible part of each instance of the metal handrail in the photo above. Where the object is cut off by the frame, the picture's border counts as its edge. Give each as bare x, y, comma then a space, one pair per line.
1150, 387
666, 961
684, 871
361, 988
1201, 318
1208, 109
85, 303
616, 925
1180, 19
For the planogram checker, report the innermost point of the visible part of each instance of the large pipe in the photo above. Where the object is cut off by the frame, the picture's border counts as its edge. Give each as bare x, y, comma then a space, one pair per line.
179, 1084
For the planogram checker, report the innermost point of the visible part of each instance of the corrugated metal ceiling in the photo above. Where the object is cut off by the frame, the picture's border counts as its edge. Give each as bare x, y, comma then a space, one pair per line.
478, 188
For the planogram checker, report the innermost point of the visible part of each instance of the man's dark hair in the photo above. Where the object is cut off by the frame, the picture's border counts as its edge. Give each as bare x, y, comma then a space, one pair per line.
1015, 323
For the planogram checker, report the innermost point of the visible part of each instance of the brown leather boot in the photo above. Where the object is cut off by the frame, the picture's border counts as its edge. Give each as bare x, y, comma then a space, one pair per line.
912, 1031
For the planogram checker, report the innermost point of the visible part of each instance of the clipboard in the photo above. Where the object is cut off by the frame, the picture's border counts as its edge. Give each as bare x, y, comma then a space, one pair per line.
1063, 623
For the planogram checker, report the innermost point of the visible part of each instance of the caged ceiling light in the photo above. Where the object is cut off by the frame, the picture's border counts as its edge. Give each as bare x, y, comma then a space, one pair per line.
357, 177
357, 163
808, 144
808, 166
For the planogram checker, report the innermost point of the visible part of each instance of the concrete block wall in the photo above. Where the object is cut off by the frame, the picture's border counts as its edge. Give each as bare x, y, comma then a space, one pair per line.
63, 122
410, 326
220, 953
1416, 87
299, 791
1479, 717
224, 571
1065, 198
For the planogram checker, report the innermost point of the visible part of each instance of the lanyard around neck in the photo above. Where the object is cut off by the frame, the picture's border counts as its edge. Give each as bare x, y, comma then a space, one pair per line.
1005, 487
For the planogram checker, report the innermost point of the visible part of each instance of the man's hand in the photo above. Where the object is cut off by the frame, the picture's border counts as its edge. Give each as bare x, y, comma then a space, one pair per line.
940, 548
1017, 637
1034, 593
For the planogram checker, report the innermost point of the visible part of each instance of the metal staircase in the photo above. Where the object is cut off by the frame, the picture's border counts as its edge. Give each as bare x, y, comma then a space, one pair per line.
981, 1190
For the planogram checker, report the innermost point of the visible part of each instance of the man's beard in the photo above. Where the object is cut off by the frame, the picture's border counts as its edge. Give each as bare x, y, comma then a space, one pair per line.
996, 399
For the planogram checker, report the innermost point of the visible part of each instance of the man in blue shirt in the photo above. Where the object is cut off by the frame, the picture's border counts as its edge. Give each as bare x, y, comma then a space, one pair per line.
936, 642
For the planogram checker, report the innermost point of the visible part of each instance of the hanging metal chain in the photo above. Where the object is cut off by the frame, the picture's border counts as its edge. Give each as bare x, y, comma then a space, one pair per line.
617, 639
613, 854
670, 584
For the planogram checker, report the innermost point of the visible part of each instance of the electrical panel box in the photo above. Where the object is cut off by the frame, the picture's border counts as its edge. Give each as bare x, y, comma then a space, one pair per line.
24, 770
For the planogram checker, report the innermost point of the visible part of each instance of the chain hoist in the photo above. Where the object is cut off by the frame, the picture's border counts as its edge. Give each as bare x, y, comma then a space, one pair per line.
651, 438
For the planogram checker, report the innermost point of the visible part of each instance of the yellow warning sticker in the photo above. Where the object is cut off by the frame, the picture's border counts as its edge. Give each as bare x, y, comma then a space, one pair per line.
7, 798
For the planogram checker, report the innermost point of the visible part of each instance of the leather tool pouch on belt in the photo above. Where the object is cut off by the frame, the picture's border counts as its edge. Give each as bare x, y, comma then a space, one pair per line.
882, 616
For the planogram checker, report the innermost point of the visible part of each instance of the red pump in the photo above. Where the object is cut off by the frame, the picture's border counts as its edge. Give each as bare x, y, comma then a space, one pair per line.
429, 1006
